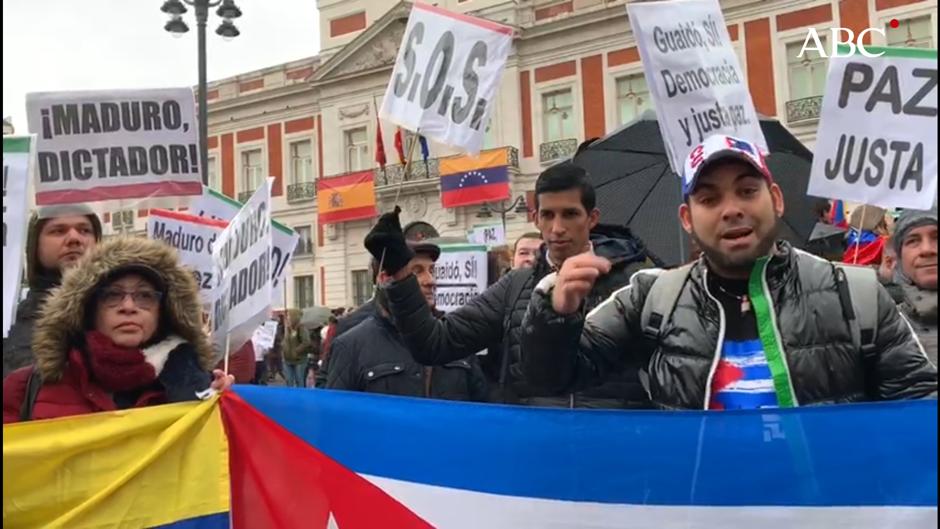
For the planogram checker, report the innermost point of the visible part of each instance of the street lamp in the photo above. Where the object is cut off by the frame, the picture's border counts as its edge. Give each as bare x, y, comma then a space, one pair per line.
176, 26
518, 205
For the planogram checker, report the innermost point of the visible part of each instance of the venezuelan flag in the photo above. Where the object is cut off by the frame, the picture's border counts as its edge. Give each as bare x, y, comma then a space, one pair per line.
467, 180
346, 197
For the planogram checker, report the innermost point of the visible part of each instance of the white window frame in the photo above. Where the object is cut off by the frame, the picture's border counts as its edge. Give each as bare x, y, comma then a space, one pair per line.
313, 290
902, 13
539, 89
292, 179
298, 252
240, 169
574, 111
213, 160
352, 285
367, 163
824, 38
779, 53
615, 94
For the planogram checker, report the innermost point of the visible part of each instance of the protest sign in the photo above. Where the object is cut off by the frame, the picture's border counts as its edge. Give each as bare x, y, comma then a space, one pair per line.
18, 152
264, 335
126, 148
877, 140
693, 75
488, 235
242, 254
193, 238
218, 206
460, 273
446, 76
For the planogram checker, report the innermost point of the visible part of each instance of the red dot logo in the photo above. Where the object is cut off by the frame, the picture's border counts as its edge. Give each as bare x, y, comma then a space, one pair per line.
894, 23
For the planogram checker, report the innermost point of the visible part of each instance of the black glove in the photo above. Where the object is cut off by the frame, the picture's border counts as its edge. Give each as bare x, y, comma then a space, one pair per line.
386, 242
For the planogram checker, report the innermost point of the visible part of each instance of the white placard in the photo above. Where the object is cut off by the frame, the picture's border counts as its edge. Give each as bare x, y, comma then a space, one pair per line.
284, 240
877, 139
242, 254
123, 148
488, 235
446, 76
193, 237
461, 274
264, 335
693, 75
18, 154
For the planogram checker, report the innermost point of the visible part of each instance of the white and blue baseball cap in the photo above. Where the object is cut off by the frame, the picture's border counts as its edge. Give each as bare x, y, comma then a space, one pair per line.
720, 147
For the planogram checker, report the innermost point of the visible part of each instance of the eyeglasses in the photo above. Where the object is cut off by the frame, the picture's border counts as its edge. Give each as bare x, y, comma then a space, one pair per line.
144, 299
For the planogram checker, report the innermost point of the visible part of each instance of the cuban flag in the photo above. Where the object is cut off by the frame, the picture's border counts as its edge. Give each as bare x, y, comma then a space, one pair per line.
327, 459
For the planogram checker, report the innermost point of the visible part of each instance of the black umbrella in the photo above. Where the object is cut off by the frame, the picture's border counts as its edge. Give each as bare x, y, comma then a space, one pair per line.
636, 187
827, 241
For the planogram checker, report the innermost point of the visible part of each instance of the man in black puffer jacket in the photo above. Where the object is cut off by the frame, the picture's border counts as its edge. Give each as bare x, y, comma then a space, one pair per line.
753, 324
567, 214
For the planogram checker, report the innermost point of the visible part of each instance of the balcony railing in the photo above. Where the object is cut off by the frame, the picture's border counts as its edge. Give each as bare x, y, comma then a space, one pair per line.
243, 196
301, 192
804, 109
551, 151
304, 248
394, 174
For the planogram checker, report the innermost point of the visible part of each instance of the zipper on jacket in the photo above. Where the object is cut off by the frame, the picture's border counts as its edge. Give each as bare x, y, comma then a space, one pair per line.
721, 339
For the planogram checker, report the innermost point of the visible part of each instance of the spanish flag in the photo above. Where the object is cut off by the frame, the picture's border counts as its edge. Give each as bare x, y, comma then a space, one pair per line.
347, 197
467, 180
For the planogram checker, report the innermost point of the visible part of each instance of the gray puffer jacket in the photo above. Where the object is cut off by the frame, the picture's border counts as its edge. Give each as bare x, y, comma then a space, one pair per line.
920, 308
807, 326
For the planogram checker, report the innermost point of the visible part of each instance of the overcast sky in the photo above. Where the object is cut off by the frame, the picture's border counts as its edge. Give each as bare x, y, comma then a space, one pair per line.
99, 44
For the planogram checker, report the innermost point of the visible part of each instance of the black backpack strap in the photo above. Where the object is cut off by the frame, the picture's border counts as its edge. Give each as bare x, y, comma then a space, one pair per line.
33, 385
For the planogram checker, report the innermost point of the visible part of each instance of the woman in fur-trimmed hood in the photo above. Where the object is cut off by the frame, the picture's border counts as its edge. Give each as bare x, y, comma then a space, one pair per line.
123, 330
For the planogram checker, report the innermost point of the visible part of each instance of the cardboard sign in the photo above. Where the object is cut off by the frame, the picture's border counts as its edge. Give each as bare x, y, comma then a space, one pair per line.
193, 237
461, 274
877, 140
446, 76
693, 75
125, 148
18, 154
488, 235
284, 240
242, 255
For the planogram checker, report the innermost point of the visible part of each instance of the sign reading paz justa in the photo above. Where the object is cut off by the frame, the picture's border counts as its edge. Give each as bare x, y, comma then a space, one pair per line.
193, 238
17, 155
129, 148
693, 75
461, 274
242, 254
283, 239
877, 140
446, 76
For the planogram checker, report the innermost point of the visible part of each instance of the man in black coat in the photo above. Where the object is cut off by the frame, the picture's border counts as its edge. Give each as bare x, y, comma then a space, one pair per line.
568, 221
373, 358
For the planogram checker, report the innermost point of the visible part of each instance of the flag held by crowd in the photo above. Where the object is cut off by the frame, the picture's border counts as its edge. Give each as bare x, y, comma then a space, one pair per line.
468, 180
347, 197
446, 76
301, 459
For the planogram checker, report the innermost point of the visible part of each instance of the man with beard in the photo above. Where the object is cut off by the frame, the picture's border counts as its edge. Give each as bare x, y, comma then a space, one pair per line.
754, 323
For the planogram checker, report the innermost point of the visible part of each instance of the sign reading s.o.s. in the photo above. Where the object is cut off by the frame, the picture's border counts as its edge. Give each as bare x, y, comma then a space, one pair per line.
446, 75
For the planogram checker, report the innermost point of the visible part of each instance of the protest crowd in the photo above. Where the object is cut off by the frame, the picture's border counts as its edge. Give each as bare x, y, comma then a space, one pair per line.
579, 312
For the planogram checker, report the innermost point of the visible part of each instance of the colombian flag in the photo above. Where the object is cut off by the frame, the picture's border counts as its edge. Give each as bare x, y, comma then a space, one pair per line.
285, 458
347, 197
467, 180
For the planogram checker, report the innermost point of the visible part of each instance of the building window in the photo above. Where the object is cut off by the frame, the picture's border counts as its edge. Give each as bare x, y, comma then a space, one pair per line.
303, 292
807, 74
558, 115
911, 33
252, 171
633, 98
357, 149
361, 286
305, 243
301, 162
122, 221
213, 175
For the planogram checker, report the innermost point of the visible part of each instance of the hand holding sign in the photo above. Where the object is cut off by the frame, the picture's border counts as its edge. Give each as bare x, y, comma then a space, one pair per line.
446, 75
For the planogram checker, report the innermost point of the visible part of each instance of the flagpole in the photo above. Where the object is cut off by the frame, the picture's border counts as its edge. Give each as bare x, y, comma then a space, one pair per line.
408, 162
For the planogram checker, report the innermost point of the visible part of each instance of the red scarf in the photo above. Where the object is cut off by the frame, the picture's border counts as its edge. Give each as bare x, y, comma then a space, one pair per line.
117, 368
